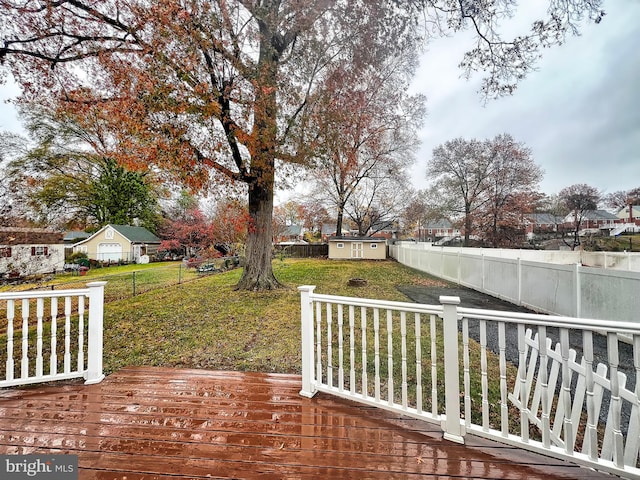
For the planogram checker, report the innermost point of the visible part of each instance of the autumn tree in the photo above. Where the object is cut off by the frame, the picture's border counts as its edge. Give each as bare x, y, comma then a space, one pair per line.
366, 135
230, 224
68, 178
511, 191
490, 184
459, 170
221, 90
579, 199
376, 204
190, 234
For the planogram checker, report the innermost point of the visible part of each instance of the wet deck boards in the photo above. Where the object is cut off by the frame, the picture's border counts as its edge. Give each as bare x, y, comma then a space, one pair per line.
143, 423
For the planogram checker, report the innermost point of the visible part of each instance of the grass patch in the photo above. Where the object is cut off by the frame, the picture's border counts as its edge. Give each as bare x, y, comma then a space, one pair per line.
206, 323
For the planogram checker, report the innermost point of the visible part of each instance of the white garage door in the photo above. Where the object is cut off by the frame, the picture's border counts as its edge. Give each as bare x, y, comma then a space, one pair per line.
109, 251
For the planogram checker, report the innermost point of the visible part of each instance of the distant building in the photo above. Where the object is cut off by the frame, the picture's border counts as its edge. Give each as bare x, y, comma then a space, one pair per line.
114, 243
357, 248
30, 251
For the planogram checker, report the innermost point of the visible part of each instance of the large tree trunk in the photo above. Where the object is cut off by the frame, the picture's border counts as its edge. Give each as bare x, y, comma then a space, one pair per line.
258, 272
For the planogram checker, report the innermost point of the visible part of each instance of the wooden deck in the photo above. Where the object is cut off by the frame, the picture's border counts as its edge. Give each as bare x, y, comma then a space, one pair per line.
173, 424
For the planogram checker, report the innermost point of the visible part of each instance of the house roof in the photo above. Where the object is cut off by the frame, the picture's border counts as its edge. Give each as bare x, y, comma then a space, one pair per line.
358, 239
544, 218
133, 234
439, 223
75, 235
330, 229
136, 234
29, 236
592, 215
293, 230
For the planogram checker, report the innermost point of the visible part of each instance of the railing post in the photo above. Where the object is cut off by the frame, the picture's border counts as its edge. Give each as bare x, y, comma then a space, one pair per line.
306, 309
452, 425
94, 372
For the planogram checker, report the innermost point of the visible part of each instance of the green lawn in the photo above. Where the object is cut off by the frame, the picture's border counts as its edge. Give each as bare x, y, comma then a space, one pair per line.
206, 323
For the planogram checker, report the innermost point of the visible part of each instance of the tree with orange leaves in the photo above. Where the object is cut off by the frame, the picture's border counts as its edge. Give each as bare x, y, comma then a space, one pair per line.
220, 90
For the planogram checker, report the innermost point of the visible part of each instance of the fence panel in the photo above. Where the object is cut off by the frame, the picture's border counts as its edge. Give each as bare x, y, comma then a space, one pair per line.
560, 289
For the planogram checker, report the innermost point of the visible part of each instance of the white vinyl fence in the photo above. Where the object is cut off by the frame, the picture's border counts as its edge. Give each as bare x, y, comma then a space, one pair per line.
51, 335
560, 289
562, 391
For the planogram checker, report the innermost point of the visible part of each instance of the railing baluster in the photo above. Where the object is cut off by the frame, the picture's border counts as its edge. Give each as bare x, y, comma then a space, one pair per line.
24, 370
633, 435
319, 342
10, 316
376, 353
390, 388
522, 385
504, 408
81, 333
590, 444
484, 375
434, 368
543, 378
566, 391
352, 350
39, 316
329, 346
53, 360
615, 408
418, 364
466, 371
67, 334
403, 334
340, 349
363, 326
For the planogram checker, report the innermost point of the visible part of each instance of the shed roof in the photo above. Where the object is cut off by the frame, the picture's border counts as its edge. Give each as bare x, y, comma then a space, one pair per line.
358, 239
131, 233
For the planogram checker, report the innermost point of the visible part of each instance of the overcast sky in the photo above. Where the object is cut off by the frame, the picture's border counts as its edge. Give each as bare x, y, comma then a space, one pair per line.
579, 113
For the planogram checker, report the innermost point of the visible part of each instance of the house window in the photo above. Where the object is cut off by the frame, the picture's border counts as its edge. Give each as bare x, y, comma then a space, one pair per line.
5, 252
81, 249
340, 245
39, 251
374, 245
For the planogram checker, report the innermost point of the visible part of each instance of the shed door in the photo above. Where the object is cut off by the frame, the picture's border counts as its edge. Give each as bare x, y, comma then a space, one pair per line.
109, 251
356, 250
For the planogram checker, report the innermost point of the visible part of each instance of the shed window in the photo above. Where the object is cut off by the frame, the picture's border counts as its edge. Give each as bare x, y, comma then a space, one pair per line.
340, 245
374, 245
5, 252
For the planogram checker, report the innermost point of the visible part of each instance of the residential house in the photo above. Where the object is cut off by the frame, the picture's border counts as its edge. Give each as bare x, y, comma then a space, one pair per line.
437, 230
541, 223
360, 248
74, 236
629, 214
593, 220
115, 243
30, 251
329, 230
292, 234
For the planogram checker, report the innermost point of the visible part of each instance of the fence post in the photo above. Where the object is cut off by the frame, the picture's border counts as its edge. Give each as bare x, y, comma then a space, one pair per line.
451, 425
306, 309
94, 372
578, 291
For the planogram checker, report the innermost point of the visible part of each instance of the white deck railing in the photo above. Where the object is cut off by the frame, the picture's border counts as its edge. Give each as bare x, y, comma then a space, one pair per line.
562, 389
51, 335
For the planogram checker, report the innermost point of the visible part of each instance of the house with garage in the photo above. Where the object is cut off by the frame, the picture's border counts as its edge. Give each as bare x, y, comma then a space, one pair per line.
30, 251
357, 248
119, 243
